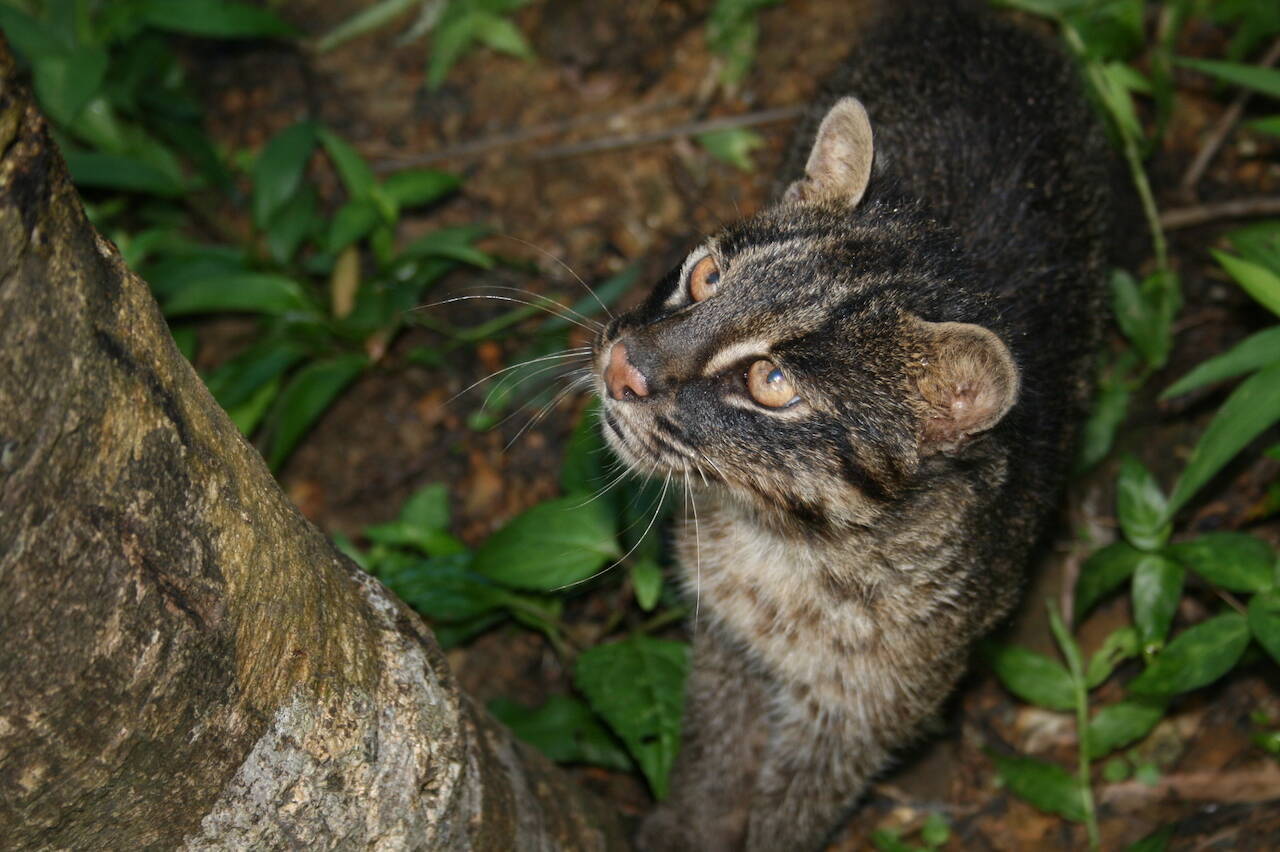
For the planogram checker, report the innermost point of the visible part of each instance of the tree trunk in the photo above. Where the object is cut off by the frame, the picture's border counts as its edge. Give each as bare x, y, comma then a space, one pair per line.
184, 659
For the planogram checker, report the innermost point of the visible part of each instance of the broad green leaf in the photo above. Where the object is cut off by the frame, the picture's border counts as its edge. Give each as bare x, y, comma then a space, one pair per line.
1109, 409
1032, 677
1235, 561
1258, 243
1141, 505
305, 398
1269, 125
356, 175
249, 413
453, 634
1102, 573
251, 292
935, 831
278, 169
171, 273
452, 243
66, 83
583, 469
1047, 786
1256, 351
565, 730
503, 36
441, 588
365, 21
212, 18
1157, 588
732, 32
187, 341
637, 685
422, 524
1258, 281
1265, 80
354, 220
292, 223
238, 379
646, 579
1195, 657
890, 840
1157, 841
1143, 312
428, 508
465, 22
1121, 645
732, 145
98, 170
419, 186
553, 545
1120, 724
30, 37
1264, 621
1250, 409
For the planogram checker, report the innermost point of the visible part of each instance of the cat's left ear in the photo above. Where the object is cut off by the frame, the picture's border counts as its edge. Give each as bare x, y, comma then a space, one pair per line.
967, 381
839, 166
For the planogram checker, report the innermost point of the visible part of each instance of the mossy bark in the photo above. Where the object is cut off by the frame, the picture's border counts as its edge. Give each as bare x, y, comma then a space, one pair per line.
184, 659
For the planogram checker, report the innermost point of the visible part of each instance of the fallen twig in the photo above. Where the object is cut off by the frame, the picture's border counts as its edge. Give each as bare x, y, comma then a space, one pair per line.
692, 128
1224, 126
1242, 785
1200, 214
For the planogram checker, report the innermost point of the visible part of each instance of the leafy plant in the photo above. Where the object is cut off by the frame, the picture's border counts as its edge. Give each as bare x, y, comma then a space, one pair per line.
457, 26
733, 146
732, 32
525, 572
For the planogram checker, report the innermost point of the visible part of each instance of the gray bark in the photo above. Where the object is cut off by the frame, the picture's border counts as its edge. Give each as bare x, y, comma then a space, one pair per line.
184, 659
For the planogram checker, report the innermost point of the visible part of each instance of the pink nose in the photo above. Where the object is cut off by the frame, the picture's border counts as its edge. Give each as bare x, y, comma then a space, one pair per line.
621, 376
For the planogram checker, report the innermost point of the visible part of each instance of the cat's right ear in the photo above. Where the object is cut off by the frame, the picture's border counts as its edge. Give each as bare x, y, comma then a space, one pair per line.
839, 166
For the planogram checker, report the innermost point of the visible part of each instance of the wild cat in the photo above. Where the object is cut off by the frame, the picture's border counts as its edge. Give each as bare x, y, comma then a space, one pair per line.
871, 388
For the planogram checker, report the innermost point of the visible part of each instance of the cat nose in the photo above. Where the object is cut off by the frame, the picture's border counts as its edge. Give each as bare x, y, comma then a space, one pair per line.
621, 377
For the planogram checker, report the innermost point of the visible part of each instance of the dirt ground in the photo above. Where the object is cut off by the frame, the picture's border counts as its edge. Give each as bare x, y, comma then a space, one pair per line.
582, 162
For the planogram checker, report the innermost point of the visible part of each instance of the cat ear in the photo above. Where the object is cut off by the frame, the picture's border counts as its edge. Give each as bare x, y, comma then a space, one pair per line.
839, 166
967, 380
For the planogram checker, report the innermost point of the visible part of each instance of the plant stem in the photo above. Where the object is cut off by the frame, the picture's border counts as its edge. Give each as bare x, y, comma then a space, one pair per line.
1071, 652
1134, 158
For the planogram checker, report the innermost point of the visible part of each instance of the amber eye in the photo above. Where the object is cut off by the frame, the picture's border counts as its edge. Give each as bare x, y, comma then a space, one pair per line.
703, 279
769, 385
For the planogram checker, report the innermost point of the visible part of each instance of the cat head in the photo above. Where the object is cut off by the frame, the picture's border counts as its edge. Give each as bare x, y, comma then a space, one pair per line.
814, 357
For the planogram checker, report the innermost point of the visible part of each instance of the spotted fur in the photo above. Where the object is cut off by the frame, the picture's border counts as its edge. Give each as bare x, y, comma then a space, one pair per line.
937, 321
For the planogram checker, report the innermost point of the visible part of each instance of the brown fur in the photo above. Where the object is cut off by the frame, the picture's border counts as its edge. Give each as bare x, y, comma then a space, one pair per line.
933, 302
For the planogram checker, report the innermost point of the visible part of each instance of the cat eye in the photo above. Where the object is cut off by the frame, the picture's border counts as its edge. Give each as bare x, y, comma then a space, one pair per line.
770, 386
704, 278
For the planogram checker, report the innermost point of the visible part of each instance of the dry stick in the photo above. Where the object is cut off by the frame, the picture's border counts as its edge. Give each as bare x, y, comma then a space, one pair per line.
521, 135
1224, 126
1240, 208
609, 143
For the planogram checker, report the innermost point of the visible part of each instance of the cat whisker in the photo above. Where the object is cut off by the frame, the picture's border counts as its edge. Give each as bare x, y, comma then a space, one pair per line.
657, 510
576, 352
697, 552
574, 385
539, 305
510, 383
566, 267
541, 299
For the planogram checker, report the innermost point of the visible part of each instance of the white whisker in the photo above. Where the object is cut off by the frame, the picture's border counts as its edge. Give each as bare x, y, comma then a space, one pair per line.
539, 306
566, 268
656, 512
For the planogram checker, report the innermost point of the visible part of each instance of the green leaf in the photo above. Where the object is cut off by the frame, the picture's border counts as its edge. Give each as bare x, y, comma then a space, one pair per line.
732, 145
428, 509
1235, 561
1032, 677
1141, 506
1120, 724
465, 22
1103, 572
1109, 409
552, 545
250, 292
97, 170
502, 35
1258, 281
935, 831
422, 524
66, 83
419, 186
234, 382
442, 589
306, 397
186, 340
1250, 409
732, 32
30, 37
1257, 350
565, 730
212, 18
1121, 645
452, 243
249, 413
278, 169
1264, 621
1157, 841
292, 223
1157, 588
1045, 785
637, 685
583, 469
356, 175
354, 220
1144, 313
1269, 125
365, 21
646, 579
1265, 80
1195, 657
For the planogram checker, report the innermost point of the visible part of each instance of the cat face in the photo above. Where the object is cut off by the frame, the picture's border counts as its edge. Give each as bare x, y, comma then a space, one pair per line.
787, 359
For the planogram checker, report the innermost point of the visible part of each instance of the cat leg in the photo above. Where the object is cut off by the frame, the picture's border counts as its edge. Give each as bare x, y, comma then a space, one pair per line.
725, 730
